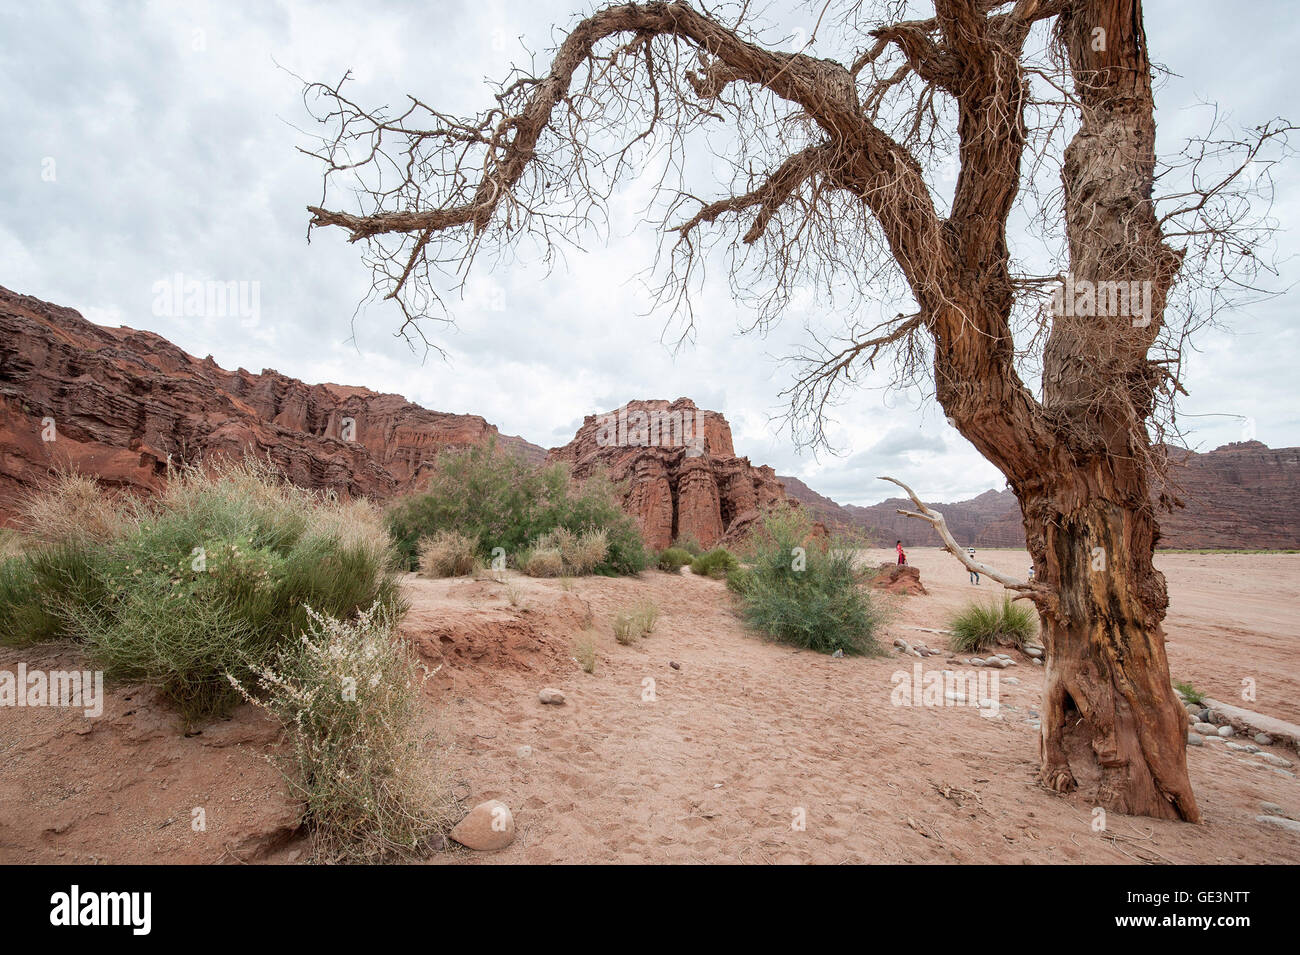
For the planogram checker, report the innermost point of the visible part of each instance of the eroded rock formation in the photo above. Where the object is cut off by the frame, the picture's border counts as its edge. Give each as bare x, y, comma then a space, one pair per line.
683, 476
119, 403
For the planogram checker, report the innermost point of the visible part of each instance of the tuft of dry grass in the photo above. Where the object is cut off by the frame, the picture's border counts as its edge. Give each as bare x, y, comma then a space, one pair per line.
625, 628
448, 554
630, 625
584, 651
70, 508
561, 552
11, 543
646, 615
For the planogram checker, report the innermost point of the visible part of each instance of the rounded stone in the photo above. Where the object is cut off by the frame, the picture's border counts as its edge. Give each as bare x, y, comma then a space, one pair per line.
489, 826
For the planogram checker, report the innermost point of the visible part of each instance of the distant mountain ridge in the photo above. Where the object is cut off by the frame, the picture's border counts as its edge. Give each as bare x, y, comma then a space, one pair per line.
1243, 495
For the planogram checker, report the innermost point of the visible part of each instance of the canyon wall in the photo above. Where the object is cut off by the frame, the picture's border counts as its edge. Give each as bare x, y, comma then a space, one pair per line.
121, 403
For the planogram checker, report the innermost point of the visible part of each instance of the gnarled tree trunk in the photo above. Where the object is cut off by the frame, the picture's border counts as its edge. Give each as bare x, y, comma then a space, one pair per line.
1112, 724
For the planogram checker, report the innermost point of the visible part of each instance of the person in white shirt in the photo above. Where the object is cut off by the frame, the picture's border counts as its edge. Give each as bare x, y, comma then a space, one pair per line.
974, 575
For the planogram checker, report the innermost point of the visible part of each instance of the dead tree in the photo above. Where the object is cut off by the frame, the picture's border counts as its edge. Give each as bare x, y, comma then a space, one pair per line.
833, 165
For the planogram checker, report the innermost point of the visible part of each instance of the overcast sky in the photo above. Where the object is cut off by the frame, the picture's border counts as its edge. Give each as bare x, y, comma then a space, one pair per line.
145, 140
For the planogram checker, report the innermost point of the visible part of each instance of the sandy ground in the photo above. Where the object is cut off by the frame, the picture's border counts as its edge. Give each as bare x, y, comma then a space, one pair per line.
749, 737
720, 763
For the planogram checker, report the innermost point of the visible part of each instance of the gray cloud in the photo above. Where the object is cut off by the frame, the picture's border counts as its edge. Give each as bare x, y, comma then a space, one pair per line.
172, 131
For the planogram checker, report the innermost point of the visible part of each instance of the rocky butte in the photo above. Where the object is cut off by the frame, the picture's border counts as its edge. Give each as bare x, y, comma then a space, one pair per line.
683, 476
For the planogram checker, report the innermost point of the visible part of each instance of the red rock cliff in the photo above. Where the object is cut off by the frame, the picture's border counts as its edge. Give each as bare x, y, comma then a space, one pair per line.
118, 402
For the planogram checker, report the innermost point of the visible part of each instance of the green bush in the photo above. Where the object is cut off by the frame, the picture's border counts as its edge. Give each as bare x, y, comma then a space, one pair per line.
997, 623
741, 581
803, 594
207, 580
501, 501
673, 559
717, 563
37, 588
690, 545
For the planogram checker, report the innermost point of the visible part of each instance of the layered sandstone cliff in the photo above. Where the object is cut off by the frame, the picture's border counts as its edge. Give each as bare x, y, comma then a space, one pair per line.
683, 476
120, 403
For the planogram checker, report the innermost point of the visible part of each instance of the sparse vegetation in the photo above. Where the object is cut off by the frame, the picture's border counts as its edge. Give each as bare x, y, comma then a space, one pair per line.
717, 563
498, 500
673, 559
1190, 693
347, 693
584, 651
448, 554
1000, 622
804, 595
626, 631
211, 577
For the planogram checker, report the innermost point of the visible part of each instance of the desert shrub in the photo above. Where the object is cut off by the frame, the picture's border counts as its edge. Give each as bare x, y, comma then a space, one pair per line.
1189, 693
689, 544
1001, 622
542, 562
448, 554
209, 578
673, 559
717, 563
348, 695
804, 595
501, 501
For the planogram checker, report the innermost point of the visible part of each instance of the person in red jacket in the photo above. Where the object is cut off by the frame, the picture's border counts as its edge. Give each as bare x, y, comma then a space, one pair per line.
902, 558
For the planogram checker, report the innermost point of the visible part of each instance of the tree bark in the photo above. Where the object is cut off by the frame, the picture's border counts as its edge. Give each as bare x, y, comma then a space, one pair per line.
1112, 724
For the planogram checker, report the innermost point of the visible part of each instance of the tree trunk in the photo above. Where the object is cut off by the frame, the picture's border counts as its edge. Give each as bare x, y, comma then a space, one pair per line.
1112, 725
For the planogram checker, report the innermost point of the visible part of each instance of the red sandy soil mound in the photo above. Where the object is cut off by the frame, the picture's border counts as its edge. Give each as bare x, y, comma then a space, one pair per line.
463, 623
125, 787
898, 579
